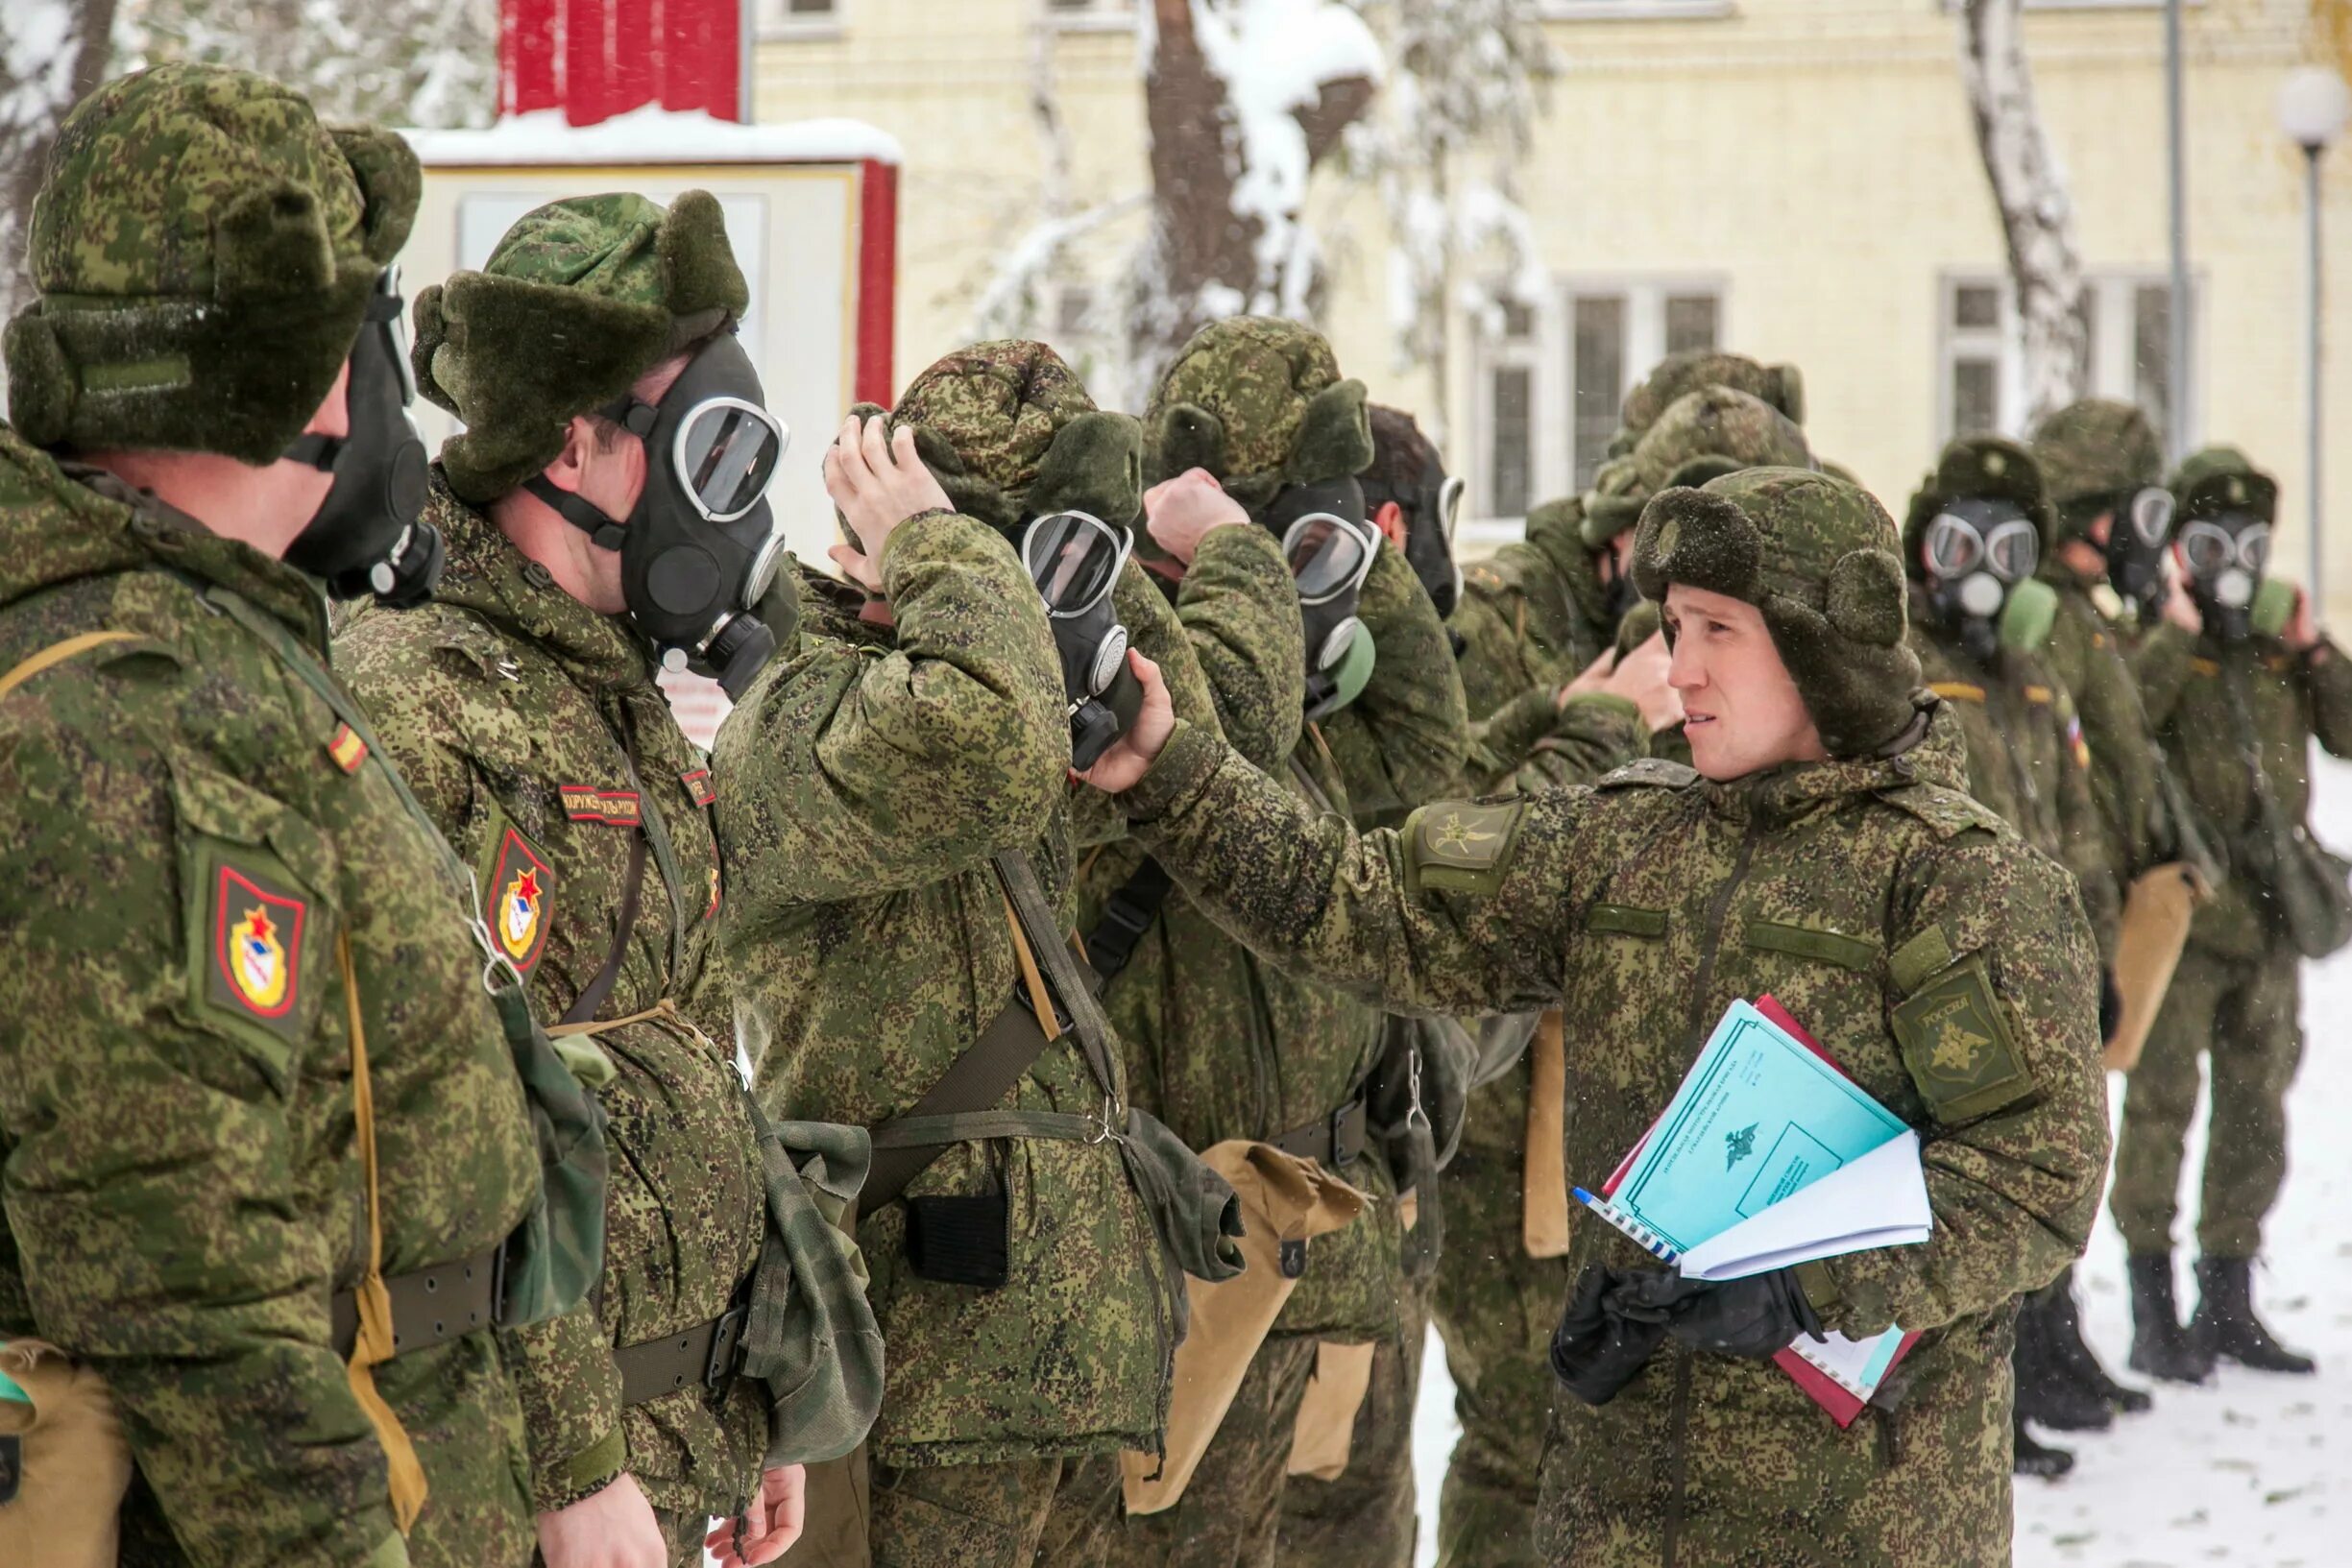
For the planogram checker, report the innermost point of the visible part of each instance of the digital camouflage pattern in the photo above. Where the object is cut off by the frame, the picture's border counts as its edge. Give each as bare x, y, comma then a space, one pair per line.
1679, 375
532, 730
997, 407
1256, 375
1052, 1513
182, 1185
204, 250
1849, 890
1710, 431
2027, 759
867, 779
2095, 450
2237, 993
1367, 1517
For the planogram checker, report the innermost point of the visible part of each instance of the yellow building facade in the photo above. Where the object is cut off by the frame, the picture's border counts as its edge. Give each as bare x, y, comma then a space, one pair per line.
1796, 179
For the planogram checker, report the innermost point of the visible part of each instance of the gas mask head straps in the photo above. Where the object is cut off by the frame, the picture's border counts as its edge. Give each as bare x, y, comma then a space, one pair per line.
369, 535
701, 547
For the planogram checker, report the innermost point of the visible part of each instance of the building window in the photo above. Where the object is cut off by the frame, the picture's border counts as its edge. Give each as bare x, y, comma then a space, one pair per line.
1080, 15
2128, 350
1552, 375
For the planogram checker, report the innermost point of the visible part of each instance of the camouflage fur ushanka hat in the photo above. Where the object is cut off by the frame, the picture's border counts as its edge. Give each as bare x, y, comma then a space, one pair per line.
2093, 453
1680, 374
1706, 433
2221, 479
580, 297
1259, 402
203, 251
1817, 556
1011, 434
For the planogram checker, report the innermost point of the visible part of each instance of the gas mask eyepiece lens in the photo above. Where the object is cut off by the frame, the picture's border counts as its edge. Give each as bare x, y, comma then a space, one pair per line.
726, 454
1328, 555
2151, 513
1074, 558
1955, 547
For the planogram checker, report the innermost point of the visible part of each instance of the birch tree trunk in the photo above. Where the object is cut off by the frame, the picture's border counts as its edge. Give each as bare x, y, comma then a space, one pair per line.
2029, 193
51, 54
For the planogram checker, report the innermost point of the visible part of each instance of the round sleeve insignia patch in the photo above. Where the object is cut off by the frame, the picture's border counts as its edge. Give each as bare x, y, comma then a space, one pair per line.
520, 887
256, 946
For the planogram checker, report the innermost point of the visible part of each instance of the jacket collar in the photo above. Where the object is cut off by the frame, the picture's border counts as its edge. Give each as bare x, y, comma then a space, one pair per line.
1931, 749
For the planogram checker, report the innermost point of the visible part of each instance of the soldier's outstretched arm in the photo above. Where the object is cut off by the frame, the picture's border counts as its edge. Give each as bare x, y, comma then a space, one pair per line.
149, 1156
1153, 630
1403, 740
1240, 609
1464, 909
1996, 1014
858, 771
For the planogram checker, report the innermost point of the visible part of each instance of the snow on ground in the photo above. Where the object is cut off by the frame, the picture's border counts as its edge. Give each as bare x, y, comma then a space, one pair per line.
2248, 1469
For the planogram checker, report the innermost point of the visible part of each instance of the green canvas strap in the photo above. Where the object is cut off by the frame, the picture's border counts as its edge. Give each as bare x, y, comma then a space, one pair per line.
1073, 997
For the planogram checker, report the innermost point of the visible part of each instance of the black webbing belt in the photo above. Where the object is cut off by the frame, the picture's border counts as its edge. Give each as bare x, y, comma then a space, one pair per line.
1127, 914
1336, 1139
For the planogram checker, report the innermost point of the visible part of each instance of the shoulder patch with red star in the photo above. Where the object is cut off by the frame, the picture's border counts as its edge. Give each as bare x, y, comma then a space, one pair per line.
255, 969
517, 896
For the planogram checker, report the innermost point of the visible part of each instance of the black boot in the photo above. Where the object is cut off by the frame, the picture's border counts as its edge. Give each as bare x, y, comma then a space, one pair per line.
2160, 1346
2225, 1324
2047, 1394
2063, 1327
2030, 1457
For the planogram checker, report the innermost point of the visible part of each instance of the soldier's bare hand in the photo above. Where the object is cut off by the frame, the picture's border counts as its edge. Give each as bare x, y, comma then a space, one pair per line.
1131, 757
610, 1529
878, 482
1640, 678
1181, 511
771, 1523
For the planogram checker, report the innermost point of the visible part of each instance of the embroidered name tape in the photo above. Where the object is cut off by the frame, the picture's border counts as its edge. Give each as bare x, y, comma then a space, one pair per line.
613, 807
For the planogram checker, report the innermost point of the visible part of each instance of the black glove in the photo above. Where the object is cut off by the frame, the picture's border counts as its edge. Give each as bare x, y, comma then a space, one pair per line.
1757, 1317
1605, 1336
2110, 1006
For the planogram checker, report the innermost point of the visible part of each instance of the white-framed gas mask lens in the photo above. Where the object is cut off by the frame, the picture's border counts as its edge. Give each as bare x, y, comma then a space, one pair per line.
395, 330
2210, 549
1957, 547
1449, 505
1328, 555
1075, 559
726, 455
763, 574
2150, 514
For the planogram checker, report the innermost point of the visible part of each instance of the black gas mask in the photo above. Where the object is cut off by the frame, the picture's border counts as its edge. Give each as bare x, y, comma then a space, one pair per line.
1329, 545
701, 546
369, 535
1981, 554
2136, 535
2225, 556
1429, 541
1075, 559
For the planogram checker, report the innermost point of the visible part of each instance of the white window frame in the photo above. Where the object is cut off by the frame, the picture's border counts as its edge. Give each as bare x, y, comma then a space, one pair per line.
2110, 295
775, 22
1641, 10
1550, 353
1098, 16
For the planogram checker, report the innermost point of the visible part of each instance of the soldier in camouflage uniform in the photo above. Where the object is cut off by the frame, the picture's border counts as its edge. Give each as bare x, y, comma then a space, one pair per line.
521, 706
2238, 690
879, 783
2103, 468
1829, 856
1975, 534
1220, 1045
1495, 1303
218, 898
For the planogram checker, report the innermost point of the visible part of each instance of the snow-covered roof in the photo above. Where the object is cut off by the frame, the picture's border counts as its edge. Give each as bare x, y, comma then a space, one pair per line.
653, 134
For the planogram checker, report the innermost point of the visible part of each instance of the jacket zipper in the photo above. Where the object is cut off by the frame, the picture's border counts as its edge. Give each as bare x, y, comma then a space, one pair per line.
1680, 1463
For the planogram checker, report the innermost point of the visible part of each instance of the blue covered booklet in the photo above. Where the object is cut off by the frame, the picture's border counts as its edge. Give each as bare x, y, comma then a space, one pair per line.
1759, 1116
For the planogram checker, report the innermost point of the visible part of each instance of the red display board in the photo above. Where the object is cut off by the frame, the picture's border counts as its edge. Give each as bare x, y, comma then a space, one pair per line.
596, 59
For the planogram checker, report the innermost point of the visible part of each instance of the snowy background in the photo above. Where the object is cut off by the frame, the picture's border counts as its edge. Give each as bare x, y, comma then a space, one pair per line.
2242, 1470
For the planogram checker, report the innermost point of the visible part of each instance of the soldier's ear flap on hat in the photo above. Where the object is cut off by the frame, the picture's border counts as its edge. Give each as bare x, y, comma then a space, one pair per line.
1787, 392
1335, 437
390, 183
699, 274
1093, 464
1697, 539
1864, 600
41, 384
1188, 437
428, 332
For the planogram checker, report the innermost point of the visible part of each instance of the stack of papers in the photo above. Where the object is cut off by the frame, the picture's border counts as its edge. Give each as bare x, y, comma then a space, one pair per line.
1768, 1157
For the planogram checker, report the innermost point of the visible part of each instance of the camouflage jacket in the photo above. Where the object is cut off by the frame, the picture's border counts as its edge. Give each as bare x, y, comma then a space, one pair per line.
531, 730
2211, 705
1220, 1045
2026, 759
1880, 903
2086, 656
183, 1188
1530, 620
870, 776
